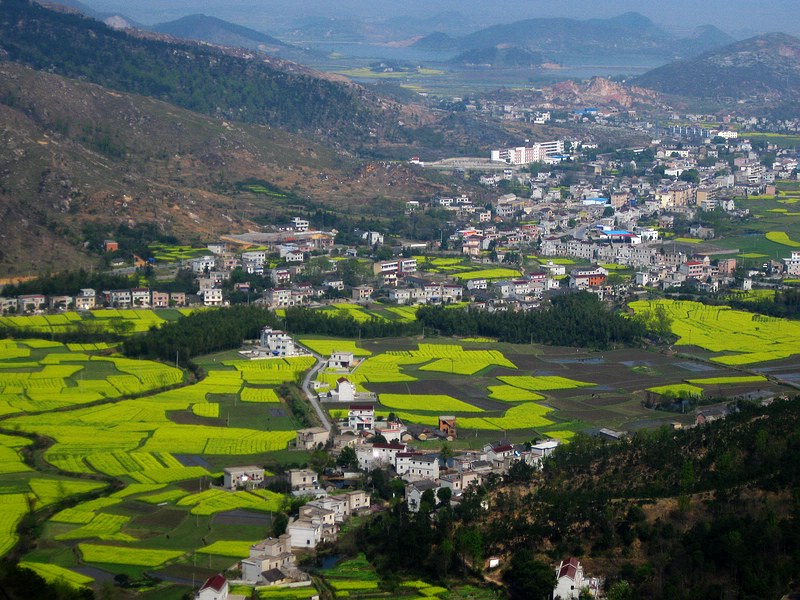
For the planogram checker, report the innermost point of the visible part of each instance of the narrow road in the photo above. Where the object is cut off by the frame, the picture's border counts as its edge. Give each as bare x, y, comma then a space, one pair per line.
312, 397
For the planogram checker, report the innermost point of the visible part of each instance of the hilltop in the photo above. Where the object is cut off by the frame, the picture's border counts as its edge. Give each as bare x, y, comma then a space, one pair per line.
222, 33
630, 33
762, 68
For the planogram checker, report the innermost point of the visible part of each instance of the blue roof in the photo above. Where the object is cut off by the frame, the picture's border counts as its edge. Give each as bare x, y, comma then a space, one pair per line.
618, 232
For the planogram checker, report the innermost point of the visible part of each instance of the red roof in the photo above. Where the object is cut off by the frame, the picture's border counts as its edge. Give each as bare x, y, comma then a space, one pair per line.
569, 568
503, 449
216, 583
390, 446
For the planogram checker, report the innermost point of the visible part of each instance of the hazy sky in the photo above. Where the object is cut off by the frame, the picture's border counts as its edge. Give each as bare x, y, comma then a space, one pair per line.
731, 15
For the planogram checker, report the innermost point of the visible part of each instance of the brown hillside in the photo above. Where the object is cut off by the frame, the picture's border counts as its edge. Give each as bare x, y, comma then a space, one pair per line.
74, 152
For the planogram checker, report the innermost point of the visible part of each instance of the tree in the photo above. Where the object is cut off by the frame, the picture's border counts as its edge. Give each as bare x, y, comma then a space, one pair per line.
279, 524
443, 495
621, 590
528, 578
347, 458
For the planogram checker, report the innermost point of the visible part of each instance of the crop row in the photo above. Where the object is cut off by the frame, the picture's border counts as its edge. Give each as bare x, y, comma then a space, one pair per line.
543, 382
428, 402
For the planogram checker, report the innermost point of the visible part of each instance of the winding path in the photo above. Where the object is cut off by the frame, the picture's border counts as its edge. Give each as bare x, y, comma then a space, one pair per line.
312, 397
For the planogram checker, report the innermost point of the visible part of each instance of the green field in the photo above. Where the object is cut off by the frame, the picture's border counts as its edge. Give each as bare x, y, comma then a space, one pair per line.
743, 337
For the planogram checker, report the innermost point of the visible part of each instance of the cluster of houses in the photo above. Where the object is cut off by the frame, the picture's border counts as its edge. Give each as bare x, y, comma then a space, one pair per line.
89, 299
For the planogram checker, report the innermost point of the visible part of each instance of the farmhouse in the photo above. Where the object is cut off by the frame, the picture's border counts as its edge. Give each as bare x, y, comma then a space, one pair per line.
570, 581
277, 343
340, 360
310, 438
303, 479
361, 417
214, 588
249, 476
272, 553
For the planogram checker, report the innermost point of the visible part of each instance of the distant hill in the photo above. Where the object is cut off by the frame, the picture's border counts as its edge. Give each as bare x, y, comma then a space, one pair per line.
222, 33
704, 39
436, 41
630, 32
499, 57
765, 67
626, 34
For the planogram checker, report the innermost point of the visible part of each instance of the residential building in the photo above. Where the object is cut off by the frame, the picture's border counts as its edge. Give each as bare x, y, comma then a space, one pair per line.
371, 456
214, 588
793, 263
311, 437
272, 553
86, 299
363, 292
415, 490
341, 360
361, 417
140, 297
303, 479
277, 343
570, 581
412, 466
248, 476
118, 298
159, 299
212, 297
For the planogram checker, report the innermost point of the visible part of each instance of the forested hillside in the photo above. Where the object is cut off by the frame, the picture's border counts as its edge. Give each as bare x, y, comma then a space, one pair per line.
710, 512
250, 88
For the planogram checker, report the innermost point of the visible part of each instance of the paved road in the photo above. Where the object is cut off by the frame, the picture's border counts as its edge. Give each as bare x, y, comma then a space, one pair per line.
312, 397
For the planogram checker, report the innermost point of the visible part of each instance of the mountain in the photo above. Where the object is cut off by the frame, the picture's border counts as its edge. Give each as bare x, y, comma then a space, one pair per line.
766, 67
628, 33
229, 84
704, 39
499, 57
222, 33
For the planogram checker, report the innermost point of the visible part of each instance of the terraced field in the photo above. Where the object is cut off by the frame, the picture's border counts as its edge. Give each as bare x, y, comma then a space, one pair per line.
153, 444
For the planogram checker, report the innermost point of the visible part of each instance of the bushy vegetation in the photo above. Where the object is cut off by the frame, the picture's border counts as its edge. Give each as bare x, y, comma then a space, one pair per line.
572, 320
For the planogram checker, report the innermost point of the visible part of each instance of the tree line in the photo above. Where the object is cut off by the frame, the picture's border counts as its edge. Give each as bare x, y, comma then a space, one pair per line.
572, 320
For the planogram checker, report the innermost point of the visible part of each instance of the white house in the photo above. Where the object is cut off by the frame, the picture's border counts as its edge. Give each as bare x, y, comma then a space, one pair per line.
415, 490
361, 417
341, 360
378, 455
345, 389
215, 588
571, 581
413, 466
277, 343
